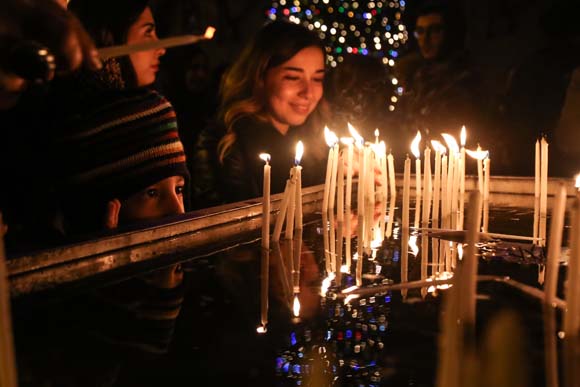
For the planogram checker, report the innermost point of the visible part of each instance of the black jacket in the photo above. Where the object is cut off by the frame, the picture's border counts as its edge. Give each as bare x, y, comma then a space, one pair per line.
240, 176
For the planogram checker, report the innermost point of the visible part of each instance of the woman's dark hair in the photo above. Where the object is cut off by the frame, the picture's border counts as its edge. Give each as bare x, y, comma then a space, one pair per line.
108, 23
241, 90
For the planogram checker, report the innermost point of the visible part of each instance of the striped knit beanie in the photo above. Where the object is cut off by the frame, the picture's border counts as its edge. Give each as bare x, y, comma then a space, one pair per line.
122, 143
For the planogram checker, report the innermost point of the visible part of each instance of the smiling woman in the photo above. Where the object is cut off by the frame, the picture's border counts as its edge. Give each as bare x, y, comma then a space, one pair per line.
270, 98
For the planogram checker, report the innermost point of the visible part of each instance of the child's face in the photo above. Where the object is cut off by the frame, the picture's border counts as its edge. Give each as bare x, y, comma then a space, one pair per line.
161, 199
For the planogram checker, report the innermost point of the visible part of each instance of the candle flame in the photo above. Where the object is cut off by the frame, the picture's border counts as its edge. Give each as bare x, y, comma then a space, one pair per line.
463, 135
383, 148
451, 143
209, 32
330, 137
413, 245
460, 251
347, 140
478, 154
296, 307
577, 185
415, 145
359, 140
265, 157
377, 132
299, 152
261, 329
438, 147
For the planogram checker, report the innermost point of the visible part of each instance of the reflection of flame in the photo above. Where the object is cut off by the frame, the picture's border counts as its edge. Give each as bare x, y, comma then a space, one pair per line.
299, 152
359, 140
350, 297
415, 145
460, 250
350, 289
261, 329
413, 245
330, 136
440, 276
578, 181
265, 157
376, 243
296, 307
463, 135
209, 32
344, 269
438, 147
451, 142
478, 154
326, 284
355, 256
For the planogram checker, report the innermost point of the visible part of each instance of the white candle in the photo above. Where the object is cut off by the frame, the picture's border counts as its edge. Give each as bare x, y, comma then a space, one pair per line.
291, 212
393, 187
537, 193
348, 200
444, 211
450, 218
298, 170
417, 154
406, 194
282, 212
462, 138
8, 374
266, 202
555, 246
543, 190
479, 155
486, 179
427, 190
439, 148
331, 140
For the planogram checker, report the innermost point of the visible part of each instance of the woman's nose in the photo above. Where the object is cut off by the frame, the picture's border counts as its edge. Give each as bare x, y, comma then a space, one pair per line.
159, 51
306, 89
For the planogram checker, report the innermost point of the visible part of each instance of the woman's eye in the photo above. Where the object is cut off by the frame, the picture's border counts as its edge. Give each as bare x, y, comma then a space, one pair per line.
319, 80
151, 193
291, 78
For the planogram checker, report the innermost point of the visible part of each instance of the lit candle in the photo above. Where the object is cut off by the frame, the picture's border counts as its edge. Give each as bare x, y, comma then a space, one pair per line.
543, 190
340, 219
479, 155
382, 149
377, 136
406, 193
417, 154
555, 246
443, 248
331, 140
462, 139
359, 141
298, 171
348, 198
537, 193
393, 187
282, 212
266, 202
452, 185
291, 212
439, 150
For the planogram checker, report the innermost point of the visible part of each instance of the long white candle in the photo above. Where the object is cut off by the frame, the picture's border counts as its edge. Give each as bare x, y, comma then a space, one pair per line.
298, 169
393, 190
406, 193
537, 192
486, 180
266, 202
282, 212
427, 190
463, 138
8, 374
436, 195
555, 246
417, 153
348, 199
444, 212
331, 140
543, 191
290, 214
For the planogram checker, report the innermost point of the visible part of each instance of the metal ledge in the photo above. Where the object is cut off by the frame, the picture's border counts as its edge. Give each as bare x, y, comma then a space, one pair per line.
198, 233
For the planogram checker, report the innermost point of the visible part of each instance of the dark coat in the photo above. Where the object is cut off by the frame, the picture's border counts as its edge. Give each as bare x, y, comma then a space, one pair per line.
240, 176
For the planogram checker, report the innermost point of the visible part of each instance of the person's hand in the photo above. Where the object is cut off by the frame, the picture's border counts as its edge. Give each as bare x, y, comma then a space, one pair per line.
36, 41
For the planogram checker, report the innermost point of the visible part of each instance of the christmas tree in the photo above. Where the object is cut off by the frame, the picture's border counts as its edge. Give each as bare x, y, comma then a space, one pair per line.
368, 28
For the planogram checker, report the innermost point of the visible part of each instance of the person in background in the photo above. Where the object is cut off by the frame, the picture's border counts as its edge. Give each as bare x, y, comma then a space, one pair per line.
271, 98
438, 80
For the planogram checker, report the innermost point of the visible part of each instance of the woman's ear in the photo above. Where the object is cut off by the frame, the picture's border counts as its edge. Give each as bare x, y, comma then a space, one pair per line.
112, 215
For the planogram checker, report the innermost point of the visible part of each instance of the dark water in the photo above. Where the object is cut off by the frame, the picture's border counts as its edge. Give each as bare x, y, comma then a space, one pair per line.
102, 336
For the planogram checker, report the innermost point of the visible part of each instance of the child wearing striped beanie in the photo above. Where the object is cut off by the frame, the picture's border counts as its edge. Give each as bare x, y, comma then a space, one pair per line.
119, 161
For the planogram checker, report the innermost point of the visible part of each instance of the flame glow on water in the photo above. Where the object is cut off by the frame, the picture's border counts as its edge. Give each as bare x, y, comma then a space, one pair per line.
326, 283
413, 245
460, 251
261, 329
344, 269
350, 297
440, 276
296, 307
